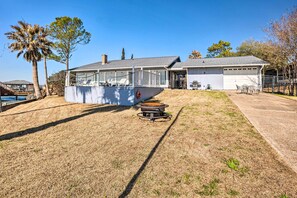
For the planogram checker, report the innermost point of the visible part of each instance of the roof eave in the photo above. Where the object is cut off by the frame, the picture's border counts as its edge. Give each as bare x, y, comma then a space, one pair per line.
234, 65
119, 68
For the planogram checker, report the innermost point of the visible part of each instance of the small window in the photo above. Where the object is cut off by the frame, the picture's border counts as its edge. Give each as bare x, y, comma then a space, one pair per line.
254, 68
239, 69
249, 68
225, 69
230, 69
234, 69
244, 68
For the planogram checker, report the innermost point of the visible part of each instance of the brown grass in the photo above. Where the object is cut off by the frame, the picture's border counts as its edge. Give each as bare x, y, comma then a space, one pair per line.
286, 96
65, 149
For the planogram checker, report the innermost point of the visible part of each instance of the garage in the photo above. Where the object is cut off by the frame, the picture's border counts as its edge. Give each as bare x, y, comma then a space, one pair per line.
223, 73
240, 76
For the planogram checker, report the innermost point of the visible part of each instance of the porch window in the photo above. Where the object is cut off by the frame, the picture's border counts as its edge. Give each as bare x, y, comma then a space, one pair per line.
154, 78
85, 78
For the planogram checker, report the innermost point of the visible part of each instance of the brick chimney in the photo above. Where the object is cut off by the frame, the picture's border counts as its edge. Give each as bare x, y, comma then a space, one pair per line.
104, 59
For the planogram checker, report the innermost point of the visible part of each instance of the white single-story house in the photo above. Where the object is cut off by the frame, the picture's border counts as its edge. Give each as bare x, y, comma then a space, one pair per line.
121, 82
126, 82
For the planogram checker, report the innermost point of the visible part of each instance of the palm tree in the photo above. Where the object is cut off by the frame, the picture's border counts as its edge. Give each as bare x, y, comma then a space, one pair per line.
32, 42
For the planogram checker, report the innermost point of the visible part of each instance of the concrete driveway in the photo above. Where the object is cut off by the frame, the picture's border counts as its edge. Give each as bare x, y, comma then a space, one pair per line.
275, 118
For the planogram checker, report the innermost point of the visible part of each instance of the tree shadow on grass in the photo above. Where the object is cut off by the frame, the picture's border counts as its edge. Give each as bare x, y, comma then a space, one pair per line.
133, 180
23, 112
108, 108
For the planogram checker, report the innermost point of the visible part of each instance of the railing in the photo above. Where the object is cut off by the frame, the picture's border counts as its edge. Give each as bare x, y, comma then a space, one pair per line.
280, 84
5, 88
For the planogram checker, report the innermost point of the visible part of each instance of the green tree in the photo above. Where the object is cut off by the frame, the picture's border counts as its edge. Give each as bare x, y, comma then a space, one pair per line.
132, 56
68, 33
123, 54
195, 54
220, 49
32, 42
267, 51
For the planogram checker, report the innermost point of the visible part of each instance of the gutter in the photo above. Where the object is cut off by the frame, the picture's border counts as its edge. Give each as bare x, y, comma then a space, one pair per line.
262, 66
236, 65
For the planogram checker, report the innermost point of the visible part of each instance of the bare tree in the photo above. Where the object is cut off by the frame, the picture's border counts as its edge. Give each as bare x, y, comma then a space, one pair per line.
284, 34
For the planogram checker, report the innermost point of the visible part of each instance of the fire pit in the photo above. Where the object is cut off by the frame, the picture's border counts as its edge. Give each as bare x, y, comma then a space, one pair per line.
153, 111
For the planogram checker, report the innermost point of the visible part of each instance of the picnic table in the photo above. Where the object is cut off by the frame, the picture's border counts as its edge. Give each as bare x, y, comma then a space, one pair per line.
248, 89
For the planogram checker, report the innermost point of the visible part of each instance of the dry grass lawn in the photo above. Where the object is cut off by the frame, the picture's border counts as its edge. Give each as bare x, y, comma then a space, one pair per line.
50, 148
286, 96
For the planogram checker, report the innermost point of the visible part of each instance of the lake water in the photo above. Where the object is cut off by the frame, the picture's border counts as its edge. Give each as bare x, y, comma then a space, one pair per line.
12, 99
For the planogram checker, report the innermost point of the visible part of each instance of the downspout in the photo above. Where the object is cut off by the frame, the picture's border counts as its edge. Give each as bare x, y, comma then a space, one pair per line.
260, 80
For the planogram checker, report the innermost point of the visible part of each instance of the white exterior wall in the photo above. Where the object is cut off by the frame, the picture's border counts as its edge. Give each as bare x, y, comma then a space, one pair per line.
241, 76
125, 96
224, 78
212, 76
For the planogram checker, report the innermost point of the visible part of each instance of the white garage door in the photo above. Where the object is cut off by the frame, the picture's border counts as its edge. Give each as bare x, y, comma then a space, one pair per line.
240, 76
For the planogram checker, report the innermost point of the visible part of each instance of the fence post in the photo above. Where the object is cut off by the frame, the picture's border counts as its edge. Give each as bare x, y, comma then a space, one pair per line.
272, 87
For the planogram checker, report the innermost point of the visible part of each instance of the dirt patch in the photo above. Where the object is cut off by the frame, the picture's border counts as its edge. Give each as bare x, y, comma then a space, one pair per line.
62, 149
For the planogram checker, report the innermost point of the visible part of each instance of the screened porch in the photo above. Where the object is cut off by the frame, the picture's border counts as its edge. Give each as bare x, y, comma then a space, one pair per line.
136, 78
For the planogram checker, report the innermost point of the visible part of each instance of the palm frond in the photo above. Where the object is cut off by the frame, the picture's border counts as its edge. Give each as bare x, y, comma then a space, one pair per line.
20, 53
29, 40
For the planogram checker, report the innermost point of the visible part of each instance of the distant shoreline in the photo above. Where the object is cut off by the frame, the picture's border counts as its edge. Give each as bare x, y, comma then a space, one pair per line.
11, 99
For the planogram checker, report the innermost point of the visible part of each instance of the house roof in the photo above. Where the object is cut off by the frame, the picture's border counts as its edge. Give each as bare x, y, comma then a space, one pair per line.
164, 61
18, 82
222, 62
177, 66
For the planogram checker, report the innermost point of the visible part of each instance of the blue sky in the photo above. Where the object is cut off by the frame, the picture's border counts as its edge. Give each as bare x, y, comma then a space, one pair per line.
145, 28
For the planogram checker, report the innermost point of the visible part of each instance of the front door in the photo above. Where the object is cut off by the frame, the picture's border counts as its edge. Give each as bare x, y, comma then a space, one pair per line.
178, 80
